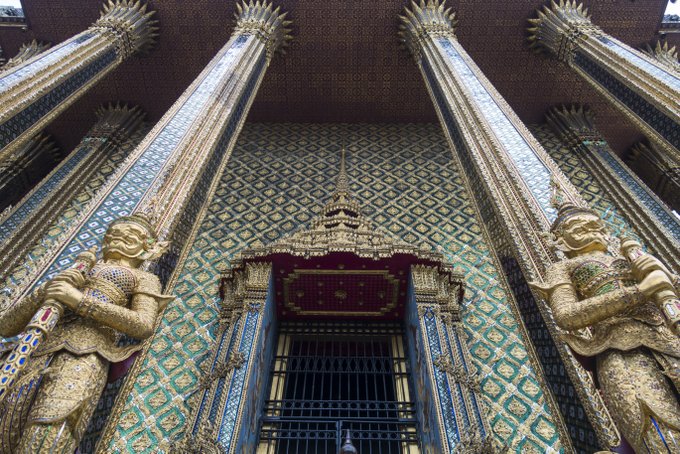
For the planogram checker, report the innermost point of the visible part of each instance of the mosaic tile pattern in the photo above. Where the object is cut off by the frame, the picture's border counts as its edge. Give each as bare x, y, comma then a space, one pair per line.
668, 78
130, 189
278, 178
532, 170
571, 166
659, 121
24, 119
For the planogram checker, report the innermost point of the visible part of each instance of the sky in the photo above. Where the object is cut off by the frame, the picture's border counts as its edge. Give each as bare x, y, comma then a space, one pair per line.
15, 3
673, 8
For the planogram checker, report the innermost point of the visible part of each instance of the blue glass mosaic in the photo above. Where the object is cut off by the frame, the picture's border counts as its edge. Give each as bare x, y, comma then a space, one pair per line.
47, 186
45, 60
129, 191
532, 170
646, 111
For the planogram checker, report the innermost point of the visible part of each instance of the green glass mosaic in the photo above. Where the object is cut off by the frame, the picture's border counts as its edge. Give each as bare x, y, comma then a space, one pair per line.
278, 178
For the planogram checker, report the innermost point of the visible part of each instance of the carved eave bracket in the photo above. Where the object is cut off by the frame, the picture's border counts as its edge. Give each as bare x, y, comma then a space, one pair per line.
264, 21
441, 286
130, 23
423, 19
559, 27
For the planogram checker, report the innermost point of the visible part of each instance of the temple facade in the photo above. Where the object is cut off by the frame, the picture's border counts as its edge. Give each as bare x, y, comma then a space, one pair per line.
339, 228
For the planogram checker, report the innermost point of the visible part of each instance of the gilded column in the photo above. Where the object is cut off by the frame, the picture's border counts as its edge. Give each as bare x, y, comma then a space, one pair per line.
24, 227
645, 90
509, 173
661, 173
665, 55
25, 167
657, 226
26, 51
35, 92
171, 174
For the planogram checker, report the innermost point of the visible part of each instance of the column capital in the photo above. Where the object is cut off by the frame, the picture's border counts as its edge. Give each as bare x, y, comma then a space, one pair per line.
114, 119
264, 21
427, 18
665, 55
650, 151
573, 124
130, 23
559, 26
26, 51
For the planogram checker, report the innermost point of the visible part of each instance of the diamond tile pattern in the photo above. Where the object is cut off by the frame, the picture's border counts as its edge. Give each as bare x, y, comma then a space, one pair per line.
579, 176
278, 178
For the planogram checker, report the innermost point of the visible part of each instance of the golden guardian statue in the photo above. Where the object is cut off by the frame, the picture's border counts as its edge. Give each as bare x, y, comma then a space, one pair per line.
608, 306
48, 407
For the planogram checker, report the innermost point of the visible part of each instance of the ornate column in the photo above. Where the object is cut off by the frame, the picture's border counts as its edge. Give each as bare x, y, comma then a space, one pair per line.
663, 54
441, 364
661, 172
510, 174
26, 51
171, 173
35, 92
646, 91
644, 211
78, 177
26, 166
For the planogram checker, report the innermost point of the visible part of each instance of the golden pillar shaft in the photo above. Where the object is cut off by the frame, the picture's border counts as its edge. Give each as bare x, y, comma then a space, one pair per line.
641, 87
38, 90
509, 173
26, 51
209, 117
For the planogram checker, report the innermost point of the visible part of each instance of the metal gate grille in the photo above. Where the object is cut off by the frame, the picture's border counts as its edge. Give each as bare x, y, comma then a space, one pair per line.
331, 378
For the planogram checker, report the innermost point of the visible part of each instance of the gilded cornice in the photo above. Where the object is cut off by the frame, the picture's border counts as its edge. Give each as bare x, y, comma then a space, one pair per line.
664, 54
26, 51
264, 21
130, 23
427, 18
559, 26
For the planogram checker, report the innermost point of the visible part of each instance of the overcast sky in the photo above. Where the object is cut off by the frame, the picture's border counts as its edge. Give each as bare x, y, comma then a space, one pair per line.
673, 8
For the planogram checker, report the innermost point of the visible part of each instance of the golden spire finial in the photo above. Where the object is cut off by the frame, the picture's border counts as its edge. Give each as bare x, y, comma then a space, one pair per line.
342, 183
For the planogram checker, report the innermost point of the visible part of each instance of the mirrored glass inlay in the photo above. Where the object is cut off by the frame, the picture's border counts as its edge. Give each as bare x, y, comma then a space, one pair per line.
668, 78
532, 170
